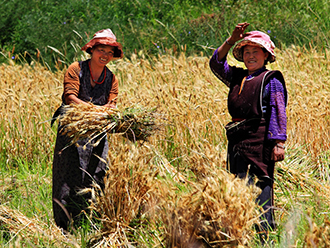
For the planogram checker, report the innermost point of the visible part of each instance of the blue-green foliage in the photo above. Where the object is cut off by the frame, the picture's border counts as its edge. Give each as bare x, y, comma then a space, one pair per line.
155, 26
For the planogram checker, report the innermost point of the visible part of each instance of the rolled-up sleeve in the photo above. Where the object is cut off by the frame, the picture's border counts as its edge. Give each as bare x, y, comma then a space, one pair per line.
71, 80
114, 91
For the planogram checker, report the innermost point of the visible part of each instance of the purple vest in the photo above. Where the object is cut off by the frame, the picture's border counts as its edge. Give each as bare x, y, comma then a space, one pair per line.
248, 104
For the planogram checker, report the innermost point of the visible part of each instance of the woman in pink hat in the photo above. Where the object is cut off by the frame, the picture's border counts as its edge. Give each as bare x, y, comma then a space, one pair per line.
76, 167
256, 102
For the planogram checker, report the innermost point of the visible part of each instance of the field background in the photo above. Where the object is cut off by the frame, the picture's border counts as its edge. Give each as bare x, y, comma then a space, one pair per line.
162, 70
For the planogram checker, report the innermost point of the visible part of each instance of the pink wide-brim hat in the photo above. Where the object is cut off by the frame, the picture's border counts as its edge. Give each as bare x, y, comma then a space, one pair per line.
104, 37
255, 38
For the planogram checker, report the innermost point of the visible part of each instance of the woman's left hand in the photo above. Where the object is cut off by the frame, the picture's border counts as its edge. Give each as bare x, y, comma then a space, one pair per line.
278, 152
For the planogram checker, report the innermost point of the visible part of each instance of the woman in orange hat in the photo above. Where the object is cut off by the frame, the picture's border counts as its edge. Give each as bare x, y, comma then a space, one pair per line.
257, 102
75, 167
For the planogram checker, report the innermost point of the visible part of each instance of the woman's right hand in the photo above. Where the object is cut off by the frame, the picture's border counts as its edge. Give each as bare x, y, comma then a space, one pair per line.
71, 98
238, 33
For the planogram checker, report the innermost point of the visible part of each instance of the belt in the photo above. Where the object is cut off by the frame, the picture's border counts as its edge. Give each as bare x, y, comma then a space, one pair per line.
237, 119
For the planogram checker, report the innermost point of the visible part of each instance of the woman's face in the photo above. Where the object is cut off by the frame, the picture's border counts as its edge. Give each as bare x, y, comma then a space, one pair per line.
102, 54
254, 58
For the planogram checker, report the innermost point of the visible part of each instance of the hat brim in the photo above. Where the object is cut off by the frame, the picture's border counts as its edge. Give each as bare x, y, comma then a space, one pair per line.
118, 52
238, 50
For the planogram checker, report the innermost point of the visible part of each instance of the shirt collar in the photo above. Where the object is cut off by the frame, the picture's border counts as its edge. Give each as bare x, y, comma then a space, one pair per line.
257, 72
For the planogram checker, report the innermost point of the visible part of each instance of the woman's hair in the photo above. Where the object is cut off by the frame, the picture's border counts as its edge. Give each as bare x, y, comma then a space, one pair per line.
265, 51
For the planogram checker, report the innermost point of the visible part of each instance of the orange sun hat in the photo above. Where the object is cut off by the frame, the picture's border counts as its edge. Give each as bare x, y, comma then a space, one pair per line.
104, 37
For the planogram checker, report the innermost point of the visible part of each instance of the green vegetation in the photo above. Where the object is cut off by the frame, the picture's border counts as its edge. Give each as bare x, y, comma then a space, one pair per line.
55, 30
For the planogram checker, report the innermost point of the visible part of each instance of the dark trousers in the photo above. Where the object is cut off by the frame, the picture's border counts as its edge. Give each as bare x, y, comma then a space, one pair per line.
265, 199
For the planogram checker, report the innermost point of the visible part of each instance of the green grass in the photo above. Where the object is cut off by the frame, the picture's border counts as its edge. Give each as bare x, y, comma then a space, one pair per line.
154, 26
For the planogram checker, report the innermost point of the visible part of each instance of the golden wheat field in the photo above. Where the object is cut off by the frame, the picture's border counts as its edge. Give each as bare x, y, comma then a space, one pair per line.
174, 187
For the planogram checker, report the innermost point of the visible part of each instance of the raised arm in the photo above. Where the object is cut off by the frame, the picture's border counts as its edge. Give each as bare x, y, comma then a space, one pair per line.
236, 35
218, 62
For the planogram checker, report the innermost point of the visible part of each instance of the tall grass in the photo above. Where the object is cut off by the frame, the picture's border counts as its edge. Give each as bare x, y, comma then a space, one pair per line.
177, 165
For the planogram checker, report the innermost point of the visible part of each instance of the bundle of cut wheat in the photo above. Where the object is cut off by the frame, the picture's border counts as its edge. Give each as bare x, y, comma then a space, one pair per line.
219, 213
127, 195
80, 121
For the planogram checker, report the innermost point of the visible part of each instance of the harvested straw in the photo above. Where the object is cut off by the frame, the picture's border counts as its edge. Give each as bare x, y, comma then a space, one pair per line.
81, 121
220, 212
126, 196
318, 236
21, 227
